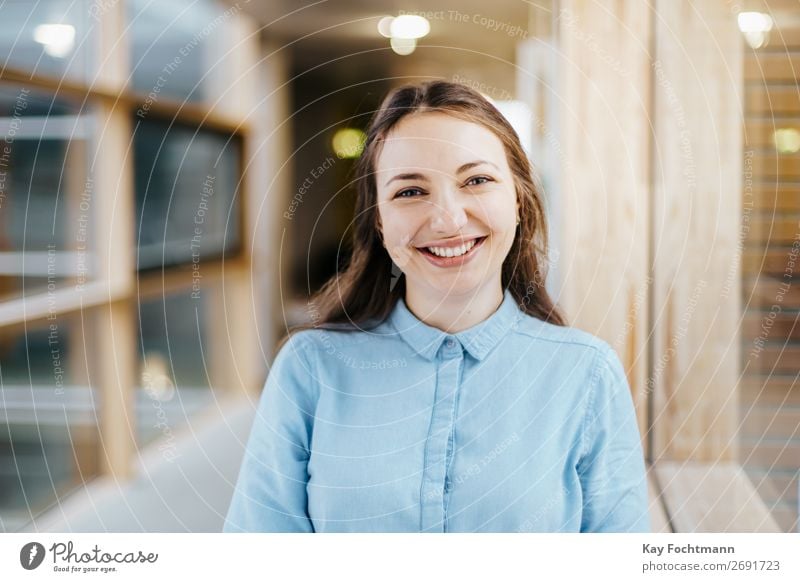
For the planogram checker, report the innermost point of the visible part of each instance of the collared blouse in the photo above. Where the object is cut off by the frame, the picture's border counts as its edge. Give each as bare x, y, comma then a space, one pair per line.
512, 425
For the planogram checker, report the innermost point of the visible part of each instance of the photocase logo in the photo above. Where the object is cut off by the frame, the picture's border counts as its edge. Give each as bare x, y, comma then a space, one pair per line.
31, 555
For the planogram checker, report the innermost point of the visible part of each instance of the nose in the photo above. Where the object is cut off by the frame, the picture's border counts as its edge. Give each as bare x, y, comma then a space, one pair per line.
448, 215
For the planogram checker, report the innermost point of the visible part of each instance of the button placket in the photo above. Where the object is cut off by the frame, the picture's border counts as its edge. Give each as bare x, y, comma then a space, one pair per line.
442, 417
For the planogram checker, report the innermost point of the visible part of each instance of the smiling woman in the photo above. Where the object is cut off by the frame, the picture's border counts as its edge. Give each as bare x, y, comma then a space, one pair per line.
441, 166
448, 223
502, 418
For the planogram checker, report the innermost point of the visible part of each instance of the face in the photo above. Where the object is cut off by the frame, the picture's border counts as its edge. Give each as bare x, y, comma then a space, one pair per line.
445, 187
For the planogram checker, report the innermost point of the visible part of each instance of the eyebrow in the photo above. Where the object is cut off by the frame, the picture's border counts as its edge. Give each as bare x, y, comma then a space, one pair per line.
413, 176
469, 165
424, 178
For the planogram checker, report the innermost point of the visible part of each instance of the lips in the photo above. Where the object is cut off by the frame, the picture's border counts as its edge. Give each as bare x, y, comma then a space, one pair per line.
451, 243
452, 261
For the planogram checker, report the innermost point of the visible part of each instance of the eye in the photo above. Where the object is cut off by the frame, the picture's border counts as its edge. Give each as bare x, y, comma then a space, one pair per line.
402, 193
485, 179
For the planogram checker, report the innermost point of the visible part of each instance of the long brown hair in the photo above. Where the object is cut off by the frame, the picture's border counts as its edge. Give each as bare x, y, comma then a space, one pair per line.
361, 295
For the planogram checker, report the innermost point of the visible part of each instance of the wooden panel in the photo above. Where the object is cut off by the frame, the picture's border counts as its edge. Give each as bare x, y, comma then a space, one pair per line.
763, 67
772, 422
778, 230
172, 109
115, 355
38, 307
603, 103
232, 74
780, 358
765, 291
773, 101
113, 203
707, 498
114, 63
777, 454
785, 325
178, 279
772, 261
776, 196
269, 188
769, 167
773, 390
759, 133
234, 360
115, 338
697, 220
786, 38
774, 7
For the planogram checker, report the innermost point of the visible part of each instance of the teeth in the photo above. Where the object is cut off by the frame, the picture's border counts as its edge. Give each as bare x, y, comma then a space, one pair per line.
452, 252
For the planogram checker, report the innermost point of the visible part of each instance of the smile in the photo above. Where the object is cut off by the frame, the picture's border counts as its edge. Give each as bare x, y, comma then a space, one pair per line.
452, 256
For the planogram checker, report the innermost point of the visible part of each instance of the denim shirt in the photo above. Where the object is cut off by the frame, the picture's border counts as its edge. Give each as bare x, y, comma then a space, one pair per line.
512, 425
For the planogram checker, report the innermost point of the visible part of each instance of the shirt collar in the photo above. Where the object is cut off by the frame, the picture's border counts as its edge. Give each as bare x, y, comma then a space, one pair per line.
478, 340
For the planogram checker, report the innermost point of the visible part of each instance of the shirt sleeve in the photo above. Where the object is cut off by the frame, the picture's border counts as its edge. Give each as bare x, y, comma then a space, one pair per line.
270, 493
611, 470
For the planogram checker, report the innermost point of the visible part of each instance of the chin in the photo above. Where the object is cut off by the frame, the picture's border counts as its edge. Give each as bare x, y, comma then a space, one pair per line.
454, 288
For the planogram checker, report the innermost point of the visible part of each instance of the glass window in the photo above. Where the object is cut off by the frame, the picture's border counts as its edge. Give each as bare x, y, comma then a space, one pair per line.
49, 37
46, 192
48, 420
174, 374
770, 394
176, 49
186, 204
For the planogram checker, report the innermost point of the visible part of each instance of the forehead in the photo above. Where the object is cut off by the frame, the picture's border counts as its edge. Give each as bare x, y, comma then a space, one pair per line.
438, 141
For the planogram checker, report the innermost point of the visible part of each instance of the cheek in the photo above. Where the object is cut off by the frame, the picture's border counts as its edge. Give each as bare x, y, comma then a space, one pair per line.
497, 206
498, 216
392, 226
397, 234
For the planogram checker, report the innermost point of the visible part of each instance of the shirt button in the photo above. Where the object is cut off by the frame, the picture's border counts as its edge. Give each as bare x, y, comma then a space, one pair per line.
450, 343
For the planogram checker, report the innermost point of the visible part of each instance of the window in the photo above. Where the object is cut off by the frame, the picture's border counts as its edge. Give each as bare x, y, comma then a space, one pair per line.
50, 37
48, 423
186, 203
118, 205
46, 192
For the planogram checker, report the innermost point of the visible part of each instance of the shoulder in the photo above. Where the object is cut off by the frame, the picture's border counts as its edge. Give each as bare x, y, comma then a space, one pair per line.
574, 348
310, 343
556, 337
297, 343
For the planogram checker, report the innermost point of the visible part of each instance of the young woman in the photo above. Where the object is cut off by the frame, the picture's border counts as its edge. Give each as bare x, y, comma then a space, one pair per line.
453, 398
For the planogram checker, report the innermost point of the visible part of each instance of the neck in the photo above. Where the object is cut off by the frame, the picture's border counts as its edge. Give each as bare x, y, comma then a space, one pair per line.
454, 313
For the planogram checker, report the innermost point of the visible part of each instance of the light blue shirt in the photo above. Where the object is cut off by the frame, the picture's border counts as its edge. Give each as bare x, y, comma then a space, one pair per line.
513, 425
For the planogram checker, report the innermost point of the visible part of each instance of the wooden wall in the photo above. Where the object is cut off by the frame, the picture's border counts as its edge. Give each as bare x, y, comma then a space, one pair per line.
648, 193
604, 215
651, 186
697, 190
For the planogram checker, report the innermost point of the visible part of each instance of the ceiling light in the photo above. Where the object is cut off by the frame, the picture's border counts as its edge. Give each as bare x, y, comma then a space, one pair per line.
384, 26
403, 46
754, 22
58, 39
755, 26
409, 26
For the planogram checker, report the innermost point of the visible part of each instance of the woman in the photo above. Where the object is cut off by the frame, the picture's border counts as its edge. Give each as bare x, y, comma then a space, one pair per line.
454, 398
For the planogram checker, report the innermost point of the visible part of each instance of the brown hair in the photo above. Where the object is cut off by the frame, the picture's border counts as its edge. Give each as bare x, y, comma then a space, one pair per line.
360, 296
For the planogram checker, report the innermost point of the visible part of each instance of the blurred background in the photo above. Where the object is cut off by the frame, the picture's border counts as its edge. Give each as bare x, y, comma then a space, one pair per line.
175, 184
